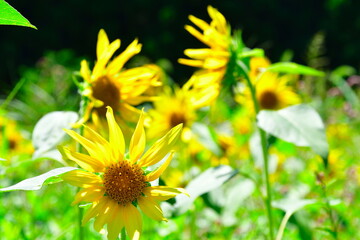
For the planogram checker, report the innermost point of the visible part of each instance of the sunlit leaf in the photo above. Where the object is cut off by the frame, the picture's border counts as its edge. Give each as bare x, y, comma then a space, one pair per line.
207, 181
35, 183
48, 132
10, 16
299, 124
293, 68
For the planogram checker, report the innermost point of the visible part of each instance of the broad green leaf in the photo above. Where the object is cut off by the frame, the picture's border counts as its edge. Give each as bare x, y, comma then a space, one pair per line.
48, 132
35, 183
10, 16
207, 181
293, 68
299, 124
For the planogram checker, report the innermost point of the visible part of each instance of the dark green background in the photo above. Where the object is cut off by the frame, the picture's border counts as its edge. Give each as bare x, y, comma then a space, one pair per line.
159, 25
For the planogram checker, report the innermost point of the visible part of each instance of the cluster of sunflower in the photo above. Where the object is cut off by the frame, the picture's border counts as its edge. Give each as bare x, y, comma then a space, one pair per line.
124, 109
117, 183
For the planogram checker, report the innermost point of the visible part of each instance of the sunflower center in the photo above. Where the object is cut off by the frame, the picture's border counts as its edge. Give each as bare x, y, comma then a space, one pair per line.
105, 90
124, 182
268, 100
177, 118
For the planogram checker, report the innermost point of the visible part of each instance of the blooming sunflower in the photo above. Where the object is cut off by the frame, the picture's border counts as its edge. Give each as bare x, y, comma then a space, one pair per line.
272, 93
256, 66
109, 85
184, 102
217, 36
116, 184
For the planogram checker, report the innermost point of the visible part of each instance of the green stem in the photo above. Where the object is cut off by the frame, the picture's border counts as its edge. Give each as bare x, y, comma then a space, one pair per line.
123, 234
264, 148
283, 225
12, 93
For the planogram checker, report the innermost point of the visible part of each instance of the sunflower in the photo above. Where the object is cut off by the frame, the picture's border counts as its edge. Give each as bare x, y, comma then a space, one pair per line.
108, 85
257, 64
117, 184
272, 93
183, 102
217, 36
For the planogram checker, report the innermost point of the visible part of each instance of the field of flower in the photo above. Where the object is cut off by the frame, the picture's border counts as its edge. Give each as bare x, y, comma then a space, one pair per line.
113, 148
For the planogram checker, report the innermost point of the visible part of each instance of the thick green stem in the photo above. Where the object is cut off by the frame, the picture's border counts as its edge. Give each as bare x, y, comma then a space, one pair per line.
123, 234
264, 148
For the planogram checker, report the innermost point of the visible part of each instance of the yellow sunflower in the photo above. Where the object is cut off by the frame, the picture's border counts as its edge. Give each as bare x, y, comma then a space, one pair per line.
272, 93
257, 64
117, 184
109, 85
217, 36
172, 108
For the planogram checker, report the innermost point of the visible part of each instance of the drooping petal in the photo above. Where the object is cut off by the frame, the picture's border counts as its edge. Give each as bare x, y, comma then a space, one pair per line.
84, 161
162, 193
151, 208
115, 134
117, 223
104, 214
156, 174
133, 221
138, 140
91, 194
82, 179
94, 210
161, 147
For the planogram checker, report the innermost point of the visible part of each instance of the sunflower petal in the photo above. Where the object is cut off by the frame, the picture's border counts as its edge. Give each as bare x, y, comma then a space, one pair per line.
85, 71
90, 194
156, 174
82, 179
160, 148
102, 43
94, 210
133, 221
86, 143
104, 214
116, 224
84, 161
101, 143
151, 208
138, 140
162, 193
116, 135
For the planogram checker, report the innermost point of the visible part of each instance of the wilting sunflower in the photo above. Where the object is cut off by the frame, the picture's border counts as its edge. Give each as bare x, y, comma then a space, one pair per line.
217, 36
272, 93
116, 184
108, 84
172, 108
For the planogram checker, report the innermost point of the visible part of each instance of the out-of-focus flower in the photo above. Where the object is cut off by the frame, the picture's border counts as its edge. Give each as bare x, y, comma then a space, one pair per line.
12, 141
257, 64
272, 92
116, 184
217, 36
172, 108
108, 84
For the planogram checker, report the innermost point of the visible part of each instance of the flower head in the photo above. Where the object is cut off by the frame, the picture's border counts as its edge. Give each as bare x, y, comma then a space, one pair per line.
109, 85
272, 93
116, 184
216, 36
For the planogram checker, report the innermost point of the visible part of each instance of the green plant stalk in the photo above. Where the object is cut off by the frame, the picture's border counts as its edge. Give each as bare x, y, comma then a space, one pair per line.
13, 93
268, 198
330, 213
83, 104
283, 225
123, 234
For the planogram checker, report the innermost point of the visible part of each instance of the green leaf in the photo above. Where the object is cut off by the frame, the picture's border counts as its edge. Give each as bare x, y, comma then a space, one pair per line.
256, 52
207, 181
293, 68
48, 133
299, 124
10, 16
35, 183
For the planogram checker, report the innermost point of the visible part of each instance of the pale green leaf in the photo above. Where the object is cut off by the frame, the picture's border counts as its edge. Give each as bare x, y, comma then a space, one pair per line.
299, 124
293, 68
35, 183
10, 16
